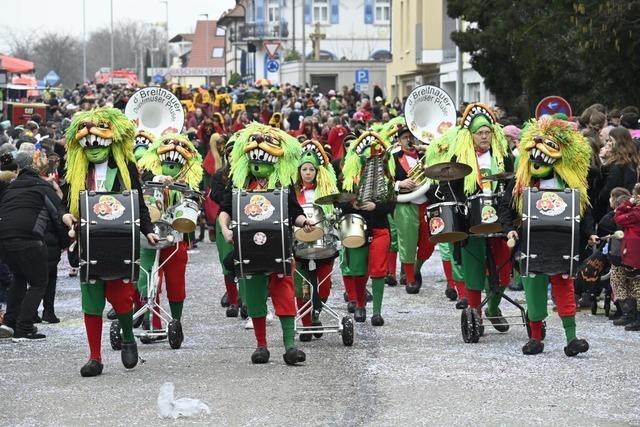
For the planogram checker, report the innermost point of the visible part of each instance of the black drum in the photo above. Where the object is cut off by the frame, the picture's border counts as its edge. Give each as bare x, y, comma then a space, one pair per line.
550, 231
483, 214
109, 239
447, 222
262, 235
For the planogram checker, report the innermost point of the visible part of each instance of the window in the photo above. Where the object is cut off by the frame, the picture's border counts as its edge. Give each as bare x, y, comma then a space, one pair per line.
273, 14
217, 52
219, 31
321, 11
383, 11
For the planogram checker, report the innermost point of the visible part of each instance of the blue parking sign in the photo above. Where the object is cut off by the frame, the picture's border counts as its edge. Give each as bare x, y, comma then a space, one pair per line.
362, 76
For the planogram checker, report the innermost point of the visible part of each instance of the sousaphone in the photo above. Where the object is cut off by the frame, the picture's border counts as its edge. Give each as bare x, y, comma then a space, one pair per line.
429, 112
155, 110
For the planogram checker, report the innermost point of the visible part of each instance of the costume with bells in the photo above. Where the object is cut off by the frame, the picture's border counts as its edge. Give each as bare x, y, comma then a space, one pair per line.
174, 156
323, 184
267, 158
457, 145
552, 156
369, 260
100, 157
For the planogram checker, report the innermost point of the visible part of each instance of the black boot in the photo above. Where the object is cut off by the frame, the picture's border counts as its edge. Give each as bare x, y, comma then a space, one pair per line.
499, 323
412, 288
377, 320
305, 337
92, 368
462, 304
635, 325
629, 308
351, 306
390, 280
575, 347
360, 314
129, 354
533, 347
614, 315
50, 317
111, 314
293, 356
232, 310
260, 355
37, 319
451, 293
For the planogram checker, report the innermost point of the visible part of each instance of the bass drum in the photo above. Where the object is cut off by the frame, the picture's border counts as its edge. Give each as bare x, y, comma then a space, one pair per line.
262, 234
109, 239
447, 222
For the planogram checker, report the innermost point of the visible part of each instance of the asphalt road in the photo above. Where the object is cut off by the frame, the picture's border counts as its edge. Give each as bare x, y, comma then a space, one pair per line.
415, 370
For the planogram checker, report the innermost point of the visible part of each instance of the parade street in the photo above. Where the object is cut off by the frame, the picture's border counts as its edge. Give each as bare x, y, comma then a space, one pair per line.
415, 370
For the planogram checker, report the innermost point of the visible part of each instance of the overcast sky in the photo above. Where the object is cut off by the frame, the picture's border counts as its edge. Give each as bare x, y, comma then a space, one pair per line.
65, 16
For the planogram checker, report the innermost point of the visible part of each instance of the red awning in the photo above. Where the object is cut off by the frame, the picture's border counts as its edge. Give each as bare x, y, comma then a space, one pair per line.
15, 65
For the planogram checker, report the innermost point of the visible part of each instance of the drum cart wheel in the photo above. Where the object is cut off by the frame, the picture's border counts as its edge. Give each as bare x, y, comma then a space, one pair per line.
470, 325
174, 334
607, 303
114, 335
347, 331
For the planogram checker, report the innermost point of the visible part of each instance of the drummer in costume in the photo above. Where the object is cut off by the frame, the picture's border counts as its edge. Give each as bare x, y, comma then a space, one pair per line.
100, 157
414, 245
267, 158
369, 171
171, 158
552, 156
219, 181
316, 179
478, 142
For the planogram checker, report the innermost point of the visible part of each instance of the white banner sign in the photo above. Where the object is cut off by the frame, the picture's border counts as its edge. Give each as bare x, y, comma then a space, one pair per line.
185, 72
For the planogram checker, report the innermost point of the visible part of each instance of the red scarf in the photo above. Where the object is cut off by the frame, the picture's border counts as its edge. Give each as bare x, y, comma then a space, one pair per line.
301, 198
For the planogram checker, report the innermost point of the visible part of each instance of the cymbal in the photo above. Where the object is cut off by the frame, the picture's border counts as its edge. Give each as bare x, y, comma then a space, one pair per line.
447, 171
502, 176
335, 198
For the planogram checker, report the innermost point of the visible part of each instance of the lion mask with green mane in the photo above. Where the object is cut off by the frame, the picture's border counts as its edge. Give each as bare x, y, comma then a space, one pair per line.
265, 152
175, 156
93, 137
552, 146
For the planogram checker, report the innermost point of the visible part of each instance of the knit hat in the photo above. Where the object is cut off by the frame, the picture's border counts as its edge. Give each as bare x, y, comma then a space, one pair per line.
479, 121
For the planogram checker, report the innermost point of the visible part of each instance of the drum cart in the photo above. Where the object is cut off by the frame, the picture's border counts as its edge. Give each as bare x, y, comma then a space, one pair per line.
314, 305
471, 324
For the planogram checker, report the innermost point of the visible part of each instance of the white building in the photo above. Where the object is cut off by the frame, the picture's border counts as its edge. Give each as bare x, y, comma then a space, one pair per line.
350, 30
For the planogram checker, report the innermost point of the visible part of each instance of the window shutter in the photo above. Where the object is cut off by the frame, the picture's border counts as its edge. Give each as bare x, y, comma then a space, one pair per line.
368, 11
307, 12
335, 6
259, 11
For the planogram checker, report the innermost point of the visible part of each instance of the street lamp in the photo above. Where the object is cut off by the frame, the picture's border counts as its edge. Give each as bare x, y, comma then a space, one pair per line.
206, 63
111, 74
84, 43
166, 9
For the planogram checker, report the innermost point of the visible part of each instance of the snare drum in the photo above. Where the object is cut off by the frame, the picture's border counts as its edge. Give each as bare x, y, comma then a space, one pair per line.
168, 236
483, 214
185, 216
324, 248
447, 221
154, 199
109, 238
353, 231
316, 215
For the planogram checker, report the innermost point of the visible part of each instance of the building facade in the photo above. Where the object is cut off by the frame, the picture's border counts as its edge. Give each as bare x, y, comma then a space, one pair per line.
423, 52
346, 30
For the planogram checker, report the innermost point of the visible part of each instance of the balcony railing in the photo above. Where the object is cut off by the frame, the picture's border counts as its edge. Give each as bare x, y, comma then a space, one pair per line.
262, 30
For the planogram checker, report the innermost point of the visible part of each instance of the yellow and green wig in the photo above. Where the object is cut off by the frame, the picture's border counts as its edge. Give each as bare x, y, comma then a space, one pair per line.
551, 144
104, 130
367, 145
174, 149
458, 142
261, 148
